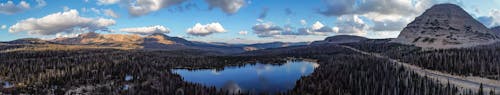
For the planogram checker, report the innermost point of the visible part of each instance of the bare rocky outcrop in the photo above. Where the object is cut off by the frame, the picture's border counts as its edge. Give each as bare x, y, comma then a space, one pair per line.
496, 30
446, 26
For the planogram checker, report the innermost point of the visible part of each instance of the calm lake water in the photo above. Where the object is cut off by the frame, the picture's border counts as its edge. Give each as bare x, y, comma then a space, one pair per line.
256, 78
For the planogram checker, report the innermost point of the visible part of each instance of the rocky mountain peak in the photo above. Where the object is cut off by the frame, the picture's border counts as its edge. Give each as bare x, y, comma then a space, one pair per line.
446, 26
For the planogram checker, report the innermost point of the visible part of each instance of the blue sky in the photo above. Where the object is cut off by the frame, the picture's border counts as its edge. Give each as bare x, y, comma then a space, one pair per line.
240, 21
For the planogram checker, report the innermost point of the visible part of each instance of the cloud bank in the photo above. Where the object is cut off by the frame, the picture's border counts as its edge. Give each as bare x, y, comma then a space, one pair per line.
107, 2
142, 7
111, 13
146, 30
492, 19
385, 15
351, 24
204, 30
68, 22
10, 8
228, 6
3, 27
268, 29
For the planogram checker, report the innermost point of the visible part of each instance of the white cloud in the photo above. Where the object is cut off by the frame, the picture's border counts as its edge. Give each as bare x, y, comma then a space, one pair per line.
67, 22
492, 19
385, 15
97, 11
146, 30
318, 25
204, 30
107, 2
397, 7
303, 22
142, 7
228, 6
67, 35
351, 24
243, 32
100, 12
267, 29
111, 13
10, 8
3, 27
384, 22
389, 7
338, 7
66, 8
41, 3
317, 28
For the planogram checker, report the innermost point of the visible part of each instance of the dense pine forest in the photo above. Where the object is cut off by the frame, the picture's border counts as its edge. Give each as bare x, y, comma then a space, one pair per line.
480, 61
103, 71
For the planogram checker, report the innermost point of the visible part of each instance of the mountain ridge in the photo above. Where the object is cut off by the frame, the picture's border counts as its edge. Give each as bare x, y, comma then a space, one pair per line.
156, 41
340, 39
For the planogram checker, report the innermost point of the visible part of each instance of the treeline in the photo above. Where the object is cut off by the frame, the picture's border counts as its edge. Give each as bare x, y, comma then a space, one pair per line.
481, 61
357, 74
102, 71
345, 72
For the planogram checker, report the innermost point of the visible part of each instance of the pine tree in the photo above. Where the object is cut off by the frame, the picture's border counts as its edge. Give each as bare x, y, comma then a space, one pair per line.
492, 91
480, 90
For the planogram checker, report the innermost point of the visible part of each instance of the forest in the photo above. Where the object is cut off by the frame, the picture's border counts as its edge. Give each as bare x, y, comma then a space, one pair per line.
482, 61
103, 71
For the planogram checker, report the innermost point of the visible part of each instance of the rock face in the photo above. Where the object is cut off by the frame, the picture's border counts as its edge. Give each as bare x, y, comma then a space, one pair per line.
339, 39
496, 30
445, 26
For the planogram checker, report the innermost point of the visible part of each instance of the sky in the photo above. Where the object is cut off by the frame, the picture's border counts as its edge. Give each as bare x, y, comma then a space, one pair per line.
230, 21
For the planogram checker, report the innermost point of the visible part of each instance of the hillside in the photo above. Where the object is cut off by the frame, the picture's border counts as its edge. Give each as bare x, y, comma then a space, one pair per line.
339, 39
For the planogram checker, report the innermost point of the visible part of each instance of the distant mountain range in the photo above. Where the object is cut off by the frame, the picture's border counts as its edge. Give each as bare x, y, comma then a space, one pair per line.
446, 26
29, 41
156, 41
340, 39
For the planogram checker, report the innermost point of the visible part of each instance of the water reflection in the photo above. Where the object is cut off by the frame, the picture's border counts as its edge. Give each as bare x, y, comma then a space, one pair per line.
255, 78
7, 85
128, 77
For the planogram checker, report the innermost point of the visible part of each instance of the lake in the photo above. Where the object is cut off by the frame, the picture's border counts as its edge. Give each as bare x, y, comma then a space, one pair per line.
254, 78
